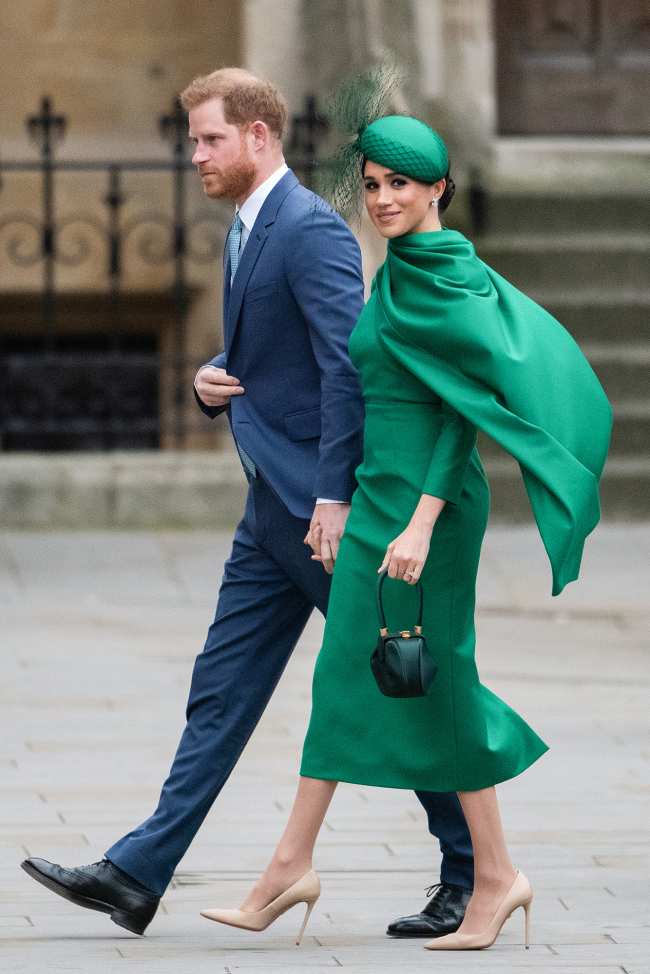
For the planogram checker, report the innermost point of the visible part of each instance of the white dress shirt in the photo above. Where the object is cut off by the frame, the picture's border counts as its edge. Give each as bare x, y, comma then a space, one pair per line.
250, 208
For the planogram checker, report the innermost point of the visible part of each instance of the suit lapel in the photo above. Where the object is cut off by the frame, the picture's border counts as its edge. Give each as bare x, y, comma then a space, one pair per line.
226, 288
247, 261
234, 296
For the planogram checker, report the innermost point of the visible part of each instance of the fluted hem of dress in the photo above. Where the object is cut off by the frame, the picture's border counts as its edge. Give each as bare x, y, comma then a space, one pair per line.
458, 784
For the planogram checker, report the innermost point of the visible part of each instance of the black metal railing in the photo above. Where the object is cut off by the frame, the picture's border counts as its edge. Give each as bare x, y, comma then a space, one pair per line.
61, 386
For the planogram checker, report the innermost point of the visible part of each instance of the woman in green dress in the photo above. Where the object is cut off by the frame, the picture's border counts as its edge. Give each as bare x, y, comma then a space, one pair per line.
444, 346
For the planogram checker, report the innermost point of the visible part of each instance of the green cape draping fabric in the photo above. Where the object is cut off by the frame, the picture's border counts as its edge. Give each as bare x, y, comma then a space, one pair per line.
511, 369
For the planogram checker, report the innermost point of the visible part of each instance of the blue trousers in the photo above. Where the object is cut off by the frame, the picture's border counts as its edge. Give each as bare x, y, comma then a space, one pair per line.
269, 589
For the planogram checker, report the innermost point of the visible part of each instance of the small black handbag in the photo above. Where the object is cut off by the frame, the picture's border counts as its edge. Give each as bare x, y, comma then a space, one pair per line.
401, 663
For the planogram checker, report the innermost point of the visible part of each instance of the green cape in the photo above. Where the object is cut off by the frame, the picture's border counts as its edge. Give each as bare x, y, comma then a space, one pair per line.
511, 369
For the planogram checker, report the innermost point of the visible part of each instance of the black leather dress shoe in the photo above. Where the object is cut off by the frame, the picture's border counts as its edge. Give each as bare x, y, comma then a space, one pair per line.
443, 914
99, 886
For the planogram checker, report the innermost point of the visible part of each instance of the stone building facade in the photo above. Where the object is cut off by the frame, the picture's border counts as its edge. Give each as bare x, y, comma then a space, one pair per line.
544, 106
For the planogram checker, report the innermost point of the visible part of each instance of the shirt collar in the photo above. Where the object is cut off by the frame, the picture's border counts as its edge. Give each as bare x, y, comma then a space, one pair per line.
250, 208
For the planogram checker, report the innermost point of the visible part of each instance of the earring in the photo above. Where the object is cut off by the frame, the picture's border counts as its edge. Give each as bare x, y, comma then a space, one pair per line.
433, 203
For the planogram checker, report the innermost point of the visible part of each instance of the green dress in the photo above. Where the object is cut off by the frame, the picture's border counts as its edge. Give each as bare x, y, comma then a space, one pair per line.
443, 346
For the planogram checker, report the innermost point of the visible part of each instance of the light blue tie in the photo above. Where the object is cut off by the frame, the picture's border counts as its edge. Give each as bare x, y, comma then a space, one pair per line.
234, 241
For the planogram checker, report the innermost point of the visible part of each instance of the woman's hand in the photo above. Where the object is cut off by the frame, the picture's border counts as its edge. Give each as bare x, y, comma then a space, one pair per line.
406, 554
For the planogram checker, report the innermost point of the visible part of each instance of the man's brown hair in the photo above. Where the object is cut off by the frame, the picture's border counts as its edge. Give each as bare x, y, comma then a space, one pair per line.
246, 98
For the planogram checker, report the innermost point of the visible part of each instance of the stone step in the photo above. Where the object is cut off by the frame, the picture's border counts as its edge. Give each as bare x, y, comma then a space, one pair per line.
624, 489
207, 490
122, 489
527, 212
577, 261
600, 315
630, 435
622, 369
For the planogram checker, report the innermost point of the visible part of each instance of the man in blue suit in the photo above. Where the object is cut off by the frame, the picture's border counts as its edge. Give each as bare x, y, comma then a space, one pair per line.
293, 290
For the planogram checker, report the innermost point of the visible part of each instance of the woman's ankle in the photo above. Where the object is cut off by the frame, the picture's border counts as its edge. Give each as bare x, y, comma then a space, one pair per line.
287, 861
494, 879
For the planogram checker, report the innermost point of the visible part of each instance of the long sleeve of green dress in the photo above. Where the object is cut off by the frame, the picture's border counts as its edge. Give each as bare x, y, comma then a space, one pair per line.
450, 456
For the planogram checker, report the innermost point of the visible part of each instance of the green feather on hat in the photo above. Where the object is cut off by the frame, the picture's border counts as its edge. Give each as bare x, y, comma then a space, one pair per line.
400, 142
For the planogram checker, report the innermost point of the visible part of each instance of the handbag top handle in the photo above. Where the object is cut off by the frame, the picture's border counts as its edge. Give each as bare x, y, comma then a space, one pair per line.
380, 605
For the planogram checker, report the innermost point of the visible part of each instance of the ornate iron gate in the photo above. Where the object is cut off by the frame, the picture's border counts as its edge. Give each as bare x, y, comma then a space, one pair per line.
71, 388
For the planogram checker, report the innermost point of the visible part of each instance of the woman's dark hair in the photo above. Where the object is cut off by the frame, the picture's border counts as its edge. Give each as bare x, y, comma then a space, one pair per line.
443, 201
448, 195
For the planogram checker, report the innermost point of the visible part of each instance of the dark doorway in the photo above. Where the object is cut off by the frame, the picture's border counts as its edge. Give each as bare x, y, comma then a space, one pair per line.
573, 67
78, 393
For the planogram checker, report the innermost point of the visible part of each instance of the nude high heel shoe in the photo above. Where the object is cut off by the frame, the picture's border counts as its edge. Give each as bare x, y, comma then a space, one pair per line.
519, 894
306, 890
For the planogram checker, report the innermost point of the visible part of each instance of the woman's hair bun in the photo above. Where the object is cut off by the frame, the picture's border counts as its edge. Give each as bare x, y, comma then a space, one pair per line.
448, 194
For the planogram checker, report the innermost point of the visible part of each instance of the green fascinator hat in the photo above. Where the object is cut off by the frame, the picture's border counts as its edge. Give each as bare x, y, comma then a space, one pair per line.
359, 110
406, 145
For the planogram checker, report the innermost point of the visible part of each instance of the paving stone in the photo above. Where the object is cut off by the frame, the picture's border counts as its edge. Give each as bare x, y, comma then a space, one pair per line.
99, 633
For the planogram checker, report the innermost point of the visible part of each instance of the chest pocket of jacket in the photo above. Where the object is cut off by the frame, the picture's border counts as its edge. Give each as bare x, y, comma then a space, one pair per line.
304, 425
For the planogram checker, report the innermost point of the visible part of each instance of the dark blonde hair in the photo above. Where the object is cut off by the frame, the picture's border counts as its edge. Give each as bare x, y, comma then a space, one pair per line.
246, 98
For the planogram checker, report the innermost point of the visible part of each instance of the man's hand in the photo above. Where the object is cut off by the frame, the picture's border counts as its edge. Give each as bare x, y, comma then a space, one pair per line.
325, 531
215, 387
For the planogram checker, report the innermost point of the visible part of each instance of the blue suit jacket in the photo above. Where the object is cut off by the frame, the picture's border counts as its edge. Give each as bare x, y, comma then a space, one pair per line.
296, 296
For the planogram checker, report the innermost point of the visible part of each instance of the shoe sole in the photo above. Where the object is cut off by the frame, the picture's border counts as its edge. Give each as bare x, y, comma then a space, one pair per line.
412, 936
117, 916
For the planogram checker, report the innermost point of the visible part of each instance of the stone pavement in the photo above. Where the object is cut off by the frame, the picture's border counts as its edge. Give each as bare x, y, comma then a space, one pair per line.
98, 636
